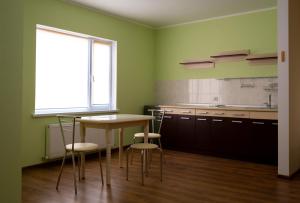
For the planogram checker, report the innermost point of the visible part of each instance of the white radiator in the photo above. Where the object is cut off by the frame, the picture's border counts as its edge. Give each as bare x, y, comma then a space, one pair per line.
54, 144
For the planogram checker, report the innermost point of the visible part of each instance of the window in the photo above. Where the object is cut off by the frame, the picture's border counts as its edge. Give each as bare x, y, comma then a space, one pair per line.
74, 72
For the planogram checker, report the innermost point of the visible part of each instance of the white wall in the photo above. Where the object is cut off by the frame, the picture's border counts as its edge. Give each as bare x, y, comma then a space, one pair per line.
283, 89
288, 81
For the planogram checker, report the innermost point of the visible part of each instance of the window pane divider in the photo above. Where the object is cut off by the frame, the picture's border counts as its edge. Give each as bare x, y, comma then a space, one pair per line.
90, 79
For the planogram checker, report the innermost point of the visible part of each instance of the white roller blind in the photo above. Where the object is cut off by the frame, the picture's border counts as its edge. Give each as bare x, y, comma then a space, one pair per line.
74, 72
61, 70
101, 73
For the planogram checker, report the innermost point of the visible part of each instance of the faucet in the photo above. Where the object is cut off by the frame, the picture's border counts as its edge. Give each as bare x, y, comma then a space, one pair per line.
269, 103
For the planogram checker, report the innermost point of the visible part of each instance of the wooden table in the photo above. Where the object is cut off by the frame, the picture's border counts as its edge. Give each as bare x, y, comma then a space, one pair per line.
109, 122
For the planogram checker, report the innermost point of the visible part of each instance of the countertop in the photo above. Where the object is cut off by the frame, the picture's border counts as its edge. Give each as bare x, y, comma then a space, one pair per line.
226, 107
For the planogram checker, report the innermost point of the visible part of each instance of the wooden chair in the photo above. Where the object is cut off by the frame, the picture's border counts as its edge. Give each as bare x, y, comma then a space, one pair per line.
145, 148
74, 149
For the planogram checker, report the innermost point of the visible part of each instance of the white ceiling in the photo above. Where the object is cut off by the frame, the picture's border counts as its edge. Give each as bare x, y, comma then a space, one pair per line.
160, 13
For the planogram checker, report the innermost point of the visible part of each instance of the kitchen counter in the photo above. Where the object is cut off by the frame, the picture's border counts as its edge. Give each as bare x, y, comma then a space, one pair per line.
251, 112
247, 133
228, 107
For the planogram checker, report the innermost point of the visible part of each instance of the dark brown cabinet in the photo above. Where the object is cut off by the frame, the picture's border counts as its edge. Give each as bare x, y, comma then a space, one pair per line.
237, 138
202, 138
240, 140
178, 132
273, 135
264, 140
185, 132
169, 136
221, 139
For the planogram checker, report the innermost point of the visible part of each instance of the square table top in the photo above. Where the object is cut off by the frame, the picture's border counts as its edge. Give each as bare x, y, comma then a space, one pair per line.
114, 118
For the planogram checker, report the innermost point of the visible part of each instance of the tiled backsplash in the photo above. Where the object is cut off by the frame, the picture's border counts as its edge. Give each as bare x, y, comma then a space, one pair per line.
244, 91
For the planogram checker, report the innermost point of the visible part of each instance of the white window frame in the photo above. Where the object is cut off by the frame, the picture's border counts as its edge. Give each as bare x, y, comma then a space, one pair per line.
113, 73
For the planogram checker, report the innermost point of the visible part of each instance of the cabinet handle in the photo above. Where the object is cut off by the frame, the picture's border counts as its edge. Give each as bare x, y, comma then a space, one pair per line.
219, 114
237, 121
185, 118
203, 112
258, 123
274, 123
217, 120
201, 119
167, 116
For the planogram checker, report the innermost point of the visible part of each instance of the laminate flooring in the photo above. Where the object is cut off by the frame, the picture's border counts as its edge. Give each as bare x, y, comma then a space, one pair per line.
186, 178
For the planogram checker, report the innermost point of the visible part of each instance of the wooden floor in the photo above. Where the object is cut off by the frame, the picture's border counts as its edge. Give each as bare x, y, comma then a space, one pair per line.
187, 178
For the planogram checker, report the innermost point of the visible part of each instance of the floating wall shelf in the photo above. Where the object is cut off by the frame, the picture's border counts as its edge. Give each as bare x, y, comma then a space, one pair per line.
239, 55
259, 57
201, 63
225, 54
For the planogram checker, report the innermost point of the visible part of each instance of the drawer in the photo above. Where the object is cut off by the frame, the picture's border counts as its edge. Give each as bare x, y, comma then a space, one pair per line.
203, 112
220, 113
263, 115
181, 111
170, 110
238, 114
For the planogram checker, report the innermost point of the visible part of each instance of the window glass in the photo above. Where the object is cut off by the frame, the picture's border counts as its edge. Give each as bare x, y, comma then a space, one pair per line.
73, 72
101, 74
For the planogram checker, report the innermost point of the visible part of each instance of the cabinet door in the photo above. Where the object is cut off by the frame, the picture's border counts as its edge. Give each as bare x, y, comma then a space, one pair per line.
240, 139
202, 134
185, 132
272, 136
264, 141
169, 131
221, 139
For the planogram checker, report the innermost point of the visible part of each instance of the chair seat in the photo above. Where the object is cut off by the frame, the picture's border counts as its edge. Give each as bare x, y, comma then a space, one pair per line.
144, 146
150, 135
82, 147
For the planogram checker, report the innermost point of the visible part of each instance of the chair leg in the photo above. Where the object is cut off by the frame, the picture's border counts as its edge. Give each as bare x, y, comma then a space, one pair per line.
60, 171
79, 164
74, 172
161, 163
127, 167
101, 171
142, 166
159, 143
131, 161
160, 146
146, 151
150, 155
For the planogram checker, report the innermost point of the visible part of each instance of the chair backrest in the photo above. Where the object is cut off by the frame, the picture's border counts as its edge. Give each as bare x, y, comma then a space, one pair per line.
156, 123
63, 129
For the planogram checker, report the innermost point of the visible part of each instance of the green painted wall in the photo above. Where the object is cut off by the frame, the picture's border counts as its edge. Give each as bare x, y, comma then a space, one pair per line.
256, 31
144, 56
135, 76
10, 102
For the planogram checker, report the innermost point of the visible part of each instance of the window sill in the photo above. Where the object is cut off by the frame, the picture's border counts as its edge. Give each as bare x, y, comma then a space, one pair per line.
39, 115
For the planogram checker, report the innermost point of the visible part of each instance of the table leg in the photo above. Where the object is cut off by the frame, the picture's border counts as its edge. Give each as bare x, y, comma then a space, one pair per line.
82, 155
121, 132
108, 133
